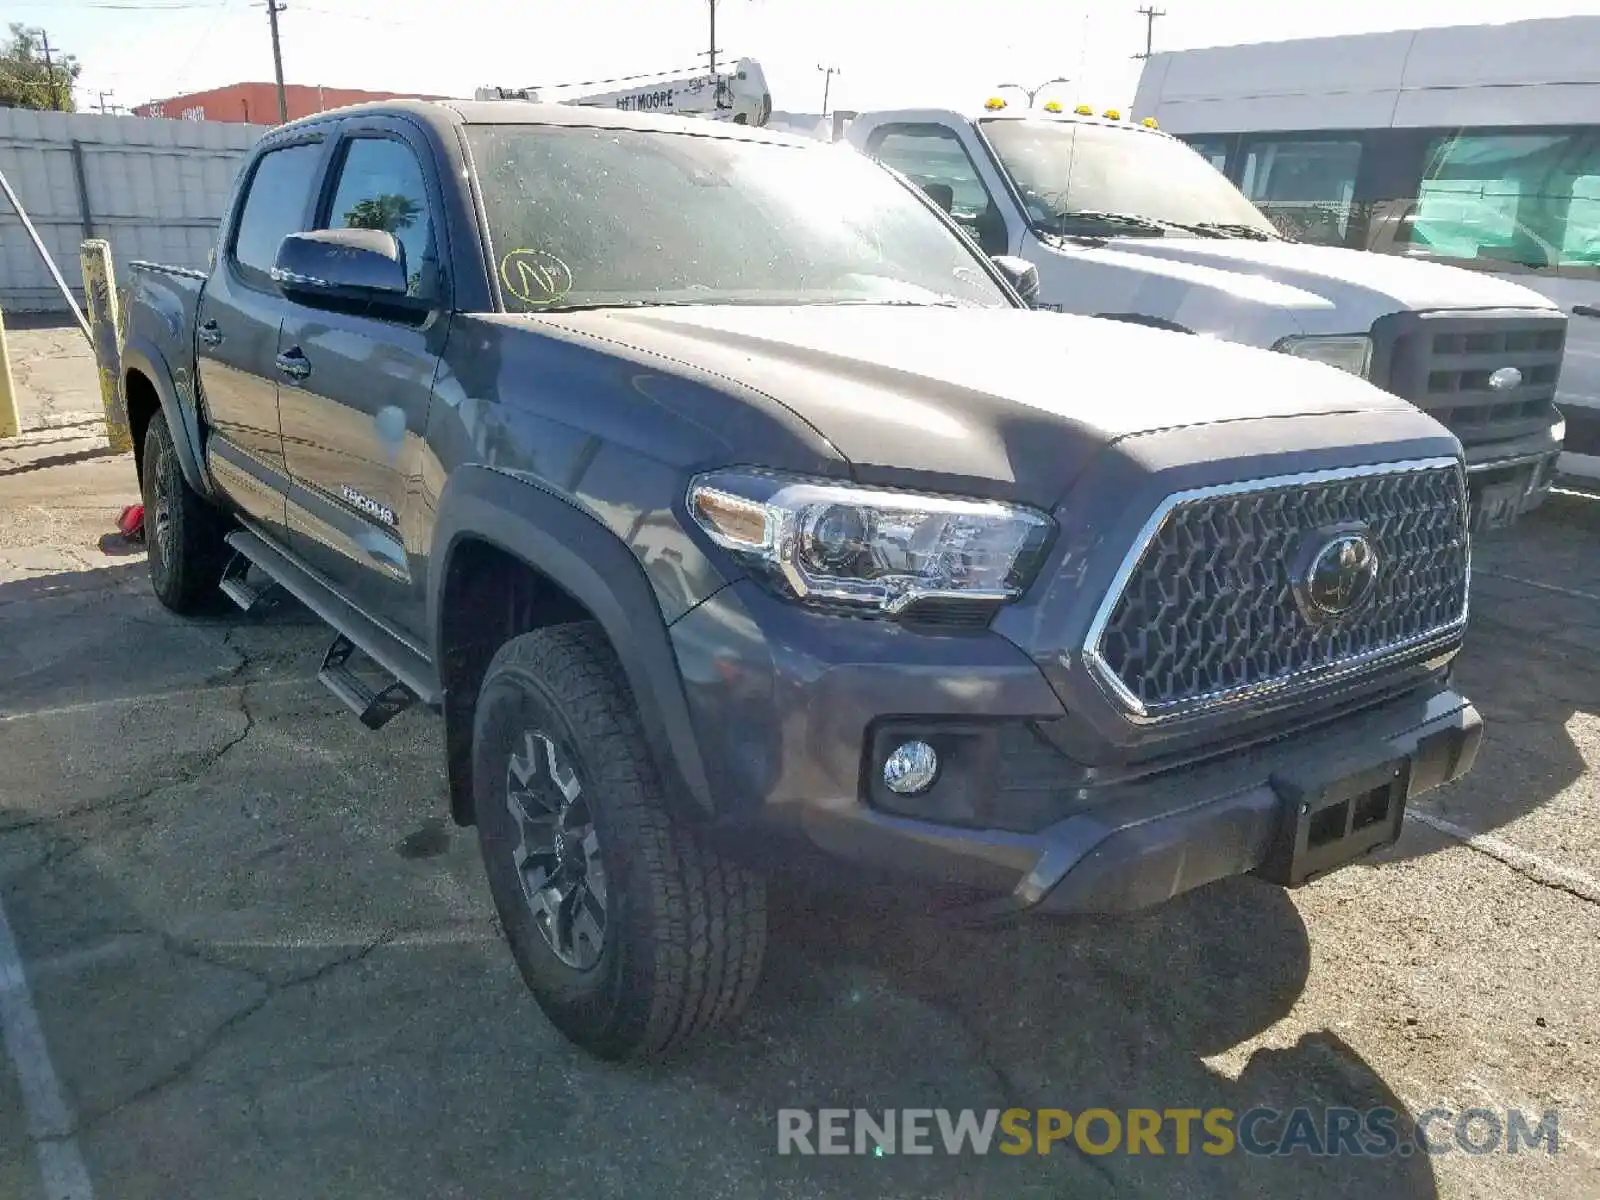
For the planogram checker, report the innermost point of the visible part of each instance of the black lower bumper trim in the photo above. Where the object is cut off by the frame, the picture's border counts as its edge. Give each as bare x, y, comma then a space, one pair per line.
1161, 837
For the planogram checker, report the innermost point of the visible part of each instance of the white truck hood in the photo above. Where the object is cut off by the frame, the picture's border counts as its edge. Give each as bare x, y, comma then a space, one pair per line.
1390, 283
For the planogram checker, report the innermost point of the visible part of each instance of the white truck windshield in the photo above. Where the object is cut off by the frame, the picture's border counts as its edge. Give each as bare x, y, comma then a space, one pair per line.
1063, 168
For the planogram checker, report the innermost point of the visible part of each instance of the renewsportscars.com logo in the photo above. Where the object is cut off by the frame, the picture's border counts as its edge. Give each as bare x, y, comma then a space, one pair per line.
1330, 1132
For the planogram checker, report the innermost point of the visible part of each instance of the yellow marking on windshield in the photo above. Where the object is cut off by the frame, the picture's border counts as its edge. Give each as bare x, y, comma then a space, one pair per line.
535, 277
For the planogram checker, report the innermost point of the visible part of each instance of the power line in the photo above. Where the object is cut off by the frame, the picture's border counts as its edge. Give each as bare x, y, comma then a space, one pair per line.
55, 6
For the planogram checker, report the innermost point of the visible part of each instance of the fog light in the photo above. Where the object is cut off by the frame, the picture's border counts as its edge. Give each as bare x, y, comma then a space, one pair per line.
910, 768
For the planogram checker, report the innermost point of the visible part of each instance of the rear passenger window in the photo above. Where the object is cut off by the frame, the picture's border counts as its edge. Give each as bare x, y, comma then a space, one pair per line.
381, 187
275, 206
1306, 188
1531, 199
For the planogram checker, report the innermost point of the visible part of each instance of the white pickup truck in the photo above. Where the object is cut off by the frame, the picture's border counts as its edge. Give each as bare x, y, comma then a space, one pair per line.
1127, 222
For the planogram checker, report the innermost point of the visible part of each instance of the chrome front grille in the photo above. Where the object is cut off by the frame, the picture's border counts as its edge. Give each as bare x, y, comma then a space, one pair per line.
1210, 607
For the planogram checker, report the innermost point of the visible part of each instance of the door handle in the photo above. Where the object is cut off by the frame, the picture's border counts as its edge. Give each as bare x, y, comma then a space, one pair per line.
293, 363
1585, 310
210, 333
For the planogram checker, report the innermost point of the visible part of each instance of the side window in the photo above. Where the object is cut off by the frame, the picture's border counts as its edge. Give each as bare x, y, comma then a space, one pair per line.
1580, 245
381, 187
1528, 199
1305, 187
1213, 150
275, 206
933, 158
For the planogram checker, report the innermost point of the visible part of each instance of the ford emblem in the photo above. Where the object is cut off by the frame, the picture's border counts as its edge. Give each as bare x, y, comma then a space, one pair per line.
1506, 379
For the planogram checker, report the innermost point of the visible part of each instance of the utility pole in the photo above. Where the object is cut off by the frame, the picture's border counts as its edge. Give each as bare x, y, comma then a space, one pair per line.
104, 92
273, 9
827, 81
711, 5
1149, 13
50, 71
1031, 92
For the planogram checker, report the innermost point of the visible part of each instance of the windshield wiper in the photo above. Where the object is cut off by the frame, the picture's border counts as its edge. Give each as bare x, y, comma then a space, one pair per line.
1127, 222
940, 302
1238, 229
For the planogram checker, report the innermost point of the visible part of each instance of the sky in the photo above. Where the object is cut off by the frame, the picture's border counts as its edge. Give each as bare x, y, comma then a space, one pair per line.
890, 53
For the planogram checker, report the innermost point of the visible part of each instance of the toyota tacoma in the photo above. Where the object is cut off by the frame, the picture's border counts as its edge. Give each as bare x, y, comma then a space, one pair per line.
734, 511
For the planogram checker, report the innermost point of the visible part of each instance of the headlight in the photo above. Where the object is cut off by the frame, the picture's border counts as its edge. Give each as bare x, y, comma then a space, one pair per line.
869, 548
1351, 353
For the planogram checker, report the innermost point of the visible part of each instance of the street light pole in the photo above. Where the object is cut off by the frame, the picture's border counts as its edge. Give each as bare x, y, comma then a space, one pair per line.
1030, 93
827, 83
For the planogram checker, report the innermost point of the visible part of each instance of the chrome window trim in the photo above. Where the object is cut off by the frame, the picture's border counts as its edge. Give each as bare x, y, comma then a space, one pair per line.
1136, 711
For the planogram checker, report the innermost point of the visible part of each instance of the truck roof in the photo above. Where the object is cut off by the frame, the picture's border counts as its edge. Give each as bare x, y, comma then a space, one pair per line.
1532, 72
445, 114
878, 116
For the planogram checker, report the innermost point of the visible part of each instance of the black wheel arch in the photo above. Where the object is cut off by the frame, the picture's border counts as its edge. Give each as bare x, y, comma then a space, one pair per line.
142, 359
596, 569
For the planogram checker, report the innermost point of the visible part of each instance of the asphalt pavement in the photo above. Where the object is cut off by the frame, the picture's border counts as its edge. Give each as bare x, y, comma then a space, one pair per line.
253, 958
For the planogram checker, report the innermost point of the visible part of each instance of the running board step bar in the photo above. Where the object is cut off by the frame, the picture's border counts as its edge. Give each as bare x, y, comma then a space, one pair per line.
236, 585
413, 677
376, 709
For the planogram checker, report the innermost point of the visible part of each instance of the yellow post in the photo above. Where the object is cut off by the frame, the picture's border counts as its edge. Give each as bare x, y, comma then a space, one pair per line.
10, 421
105, 325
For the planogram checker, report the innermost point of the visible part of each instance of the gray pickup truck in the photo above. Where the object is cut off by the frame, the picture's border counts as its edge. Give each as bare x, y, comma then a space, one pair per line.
735, 512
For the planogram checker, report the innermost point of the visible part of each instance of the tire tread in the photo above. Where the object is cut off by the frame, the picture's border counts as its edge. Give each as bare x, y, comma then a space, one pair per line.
708, 912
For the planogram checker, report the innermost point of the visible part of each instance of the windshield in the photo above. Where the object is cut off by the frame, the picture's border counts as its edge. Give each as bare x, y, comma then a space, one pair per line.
1064, 167
598, 217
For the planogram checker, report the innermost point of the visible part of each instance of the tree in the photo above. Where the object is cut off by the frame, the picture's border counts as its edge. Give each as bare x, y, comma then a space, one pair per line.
25, 80
390, 212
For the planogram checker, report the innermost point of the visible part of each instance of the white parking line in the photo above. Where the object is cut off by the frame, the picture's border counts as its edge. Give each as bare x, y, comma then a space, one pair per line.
50, 1121
151, 697
1543, 587
1536, 866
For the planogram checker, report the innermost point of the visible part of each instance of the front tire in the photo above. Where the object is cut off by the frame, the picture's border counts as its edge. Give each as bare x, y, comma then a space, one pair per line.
634, 937
184, 535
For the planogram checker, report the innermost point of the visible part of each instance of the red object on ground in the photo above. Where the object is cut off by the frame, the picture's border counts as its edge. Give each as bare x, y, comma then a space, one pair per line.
131, 523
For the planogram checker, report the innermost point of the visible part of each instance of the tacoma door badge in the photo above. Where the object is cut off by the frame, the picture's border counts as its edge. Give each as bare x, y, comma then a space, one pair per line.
380, 512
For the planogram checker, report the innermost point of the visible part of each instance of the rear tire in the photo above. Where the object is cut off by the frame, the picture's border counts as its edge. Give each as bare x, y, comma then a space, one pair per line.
184, 534
569, 812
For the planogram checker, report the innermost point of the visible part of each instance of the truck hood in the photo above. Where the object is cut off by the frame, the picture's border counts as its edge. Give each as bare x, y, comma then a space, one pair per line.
1007, 402
1355, 280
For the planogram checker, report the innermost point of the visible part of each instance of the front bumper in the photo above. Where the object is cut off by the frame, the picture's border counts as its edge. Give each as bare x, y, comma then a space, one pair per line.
1511, 478
794, 710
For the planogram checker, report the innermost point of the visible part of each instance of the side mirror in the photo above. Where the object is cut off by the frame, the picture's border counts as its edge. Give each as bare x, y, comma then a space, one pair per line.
1021, 274
341, 264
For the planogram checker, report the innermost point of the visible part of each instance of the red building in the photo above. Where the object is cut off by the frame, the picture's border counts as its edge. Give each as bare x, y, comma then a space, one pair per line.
257, 103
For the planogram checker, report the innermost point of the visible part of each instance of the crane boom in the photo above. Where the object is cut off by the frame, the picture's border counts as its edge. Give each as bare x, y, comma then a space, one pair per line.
740, 95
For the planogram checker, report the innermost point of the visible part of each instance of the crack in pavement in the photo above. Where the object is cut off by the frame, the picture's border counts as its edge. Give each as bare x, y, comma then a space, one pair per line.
194, 1059
120, 803
1529, 866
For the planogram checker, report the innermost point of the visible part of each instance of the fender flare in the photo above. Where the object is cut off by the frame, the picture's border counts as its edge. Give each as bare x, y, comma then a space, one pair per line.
1144, 319
575, 551
142, 355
